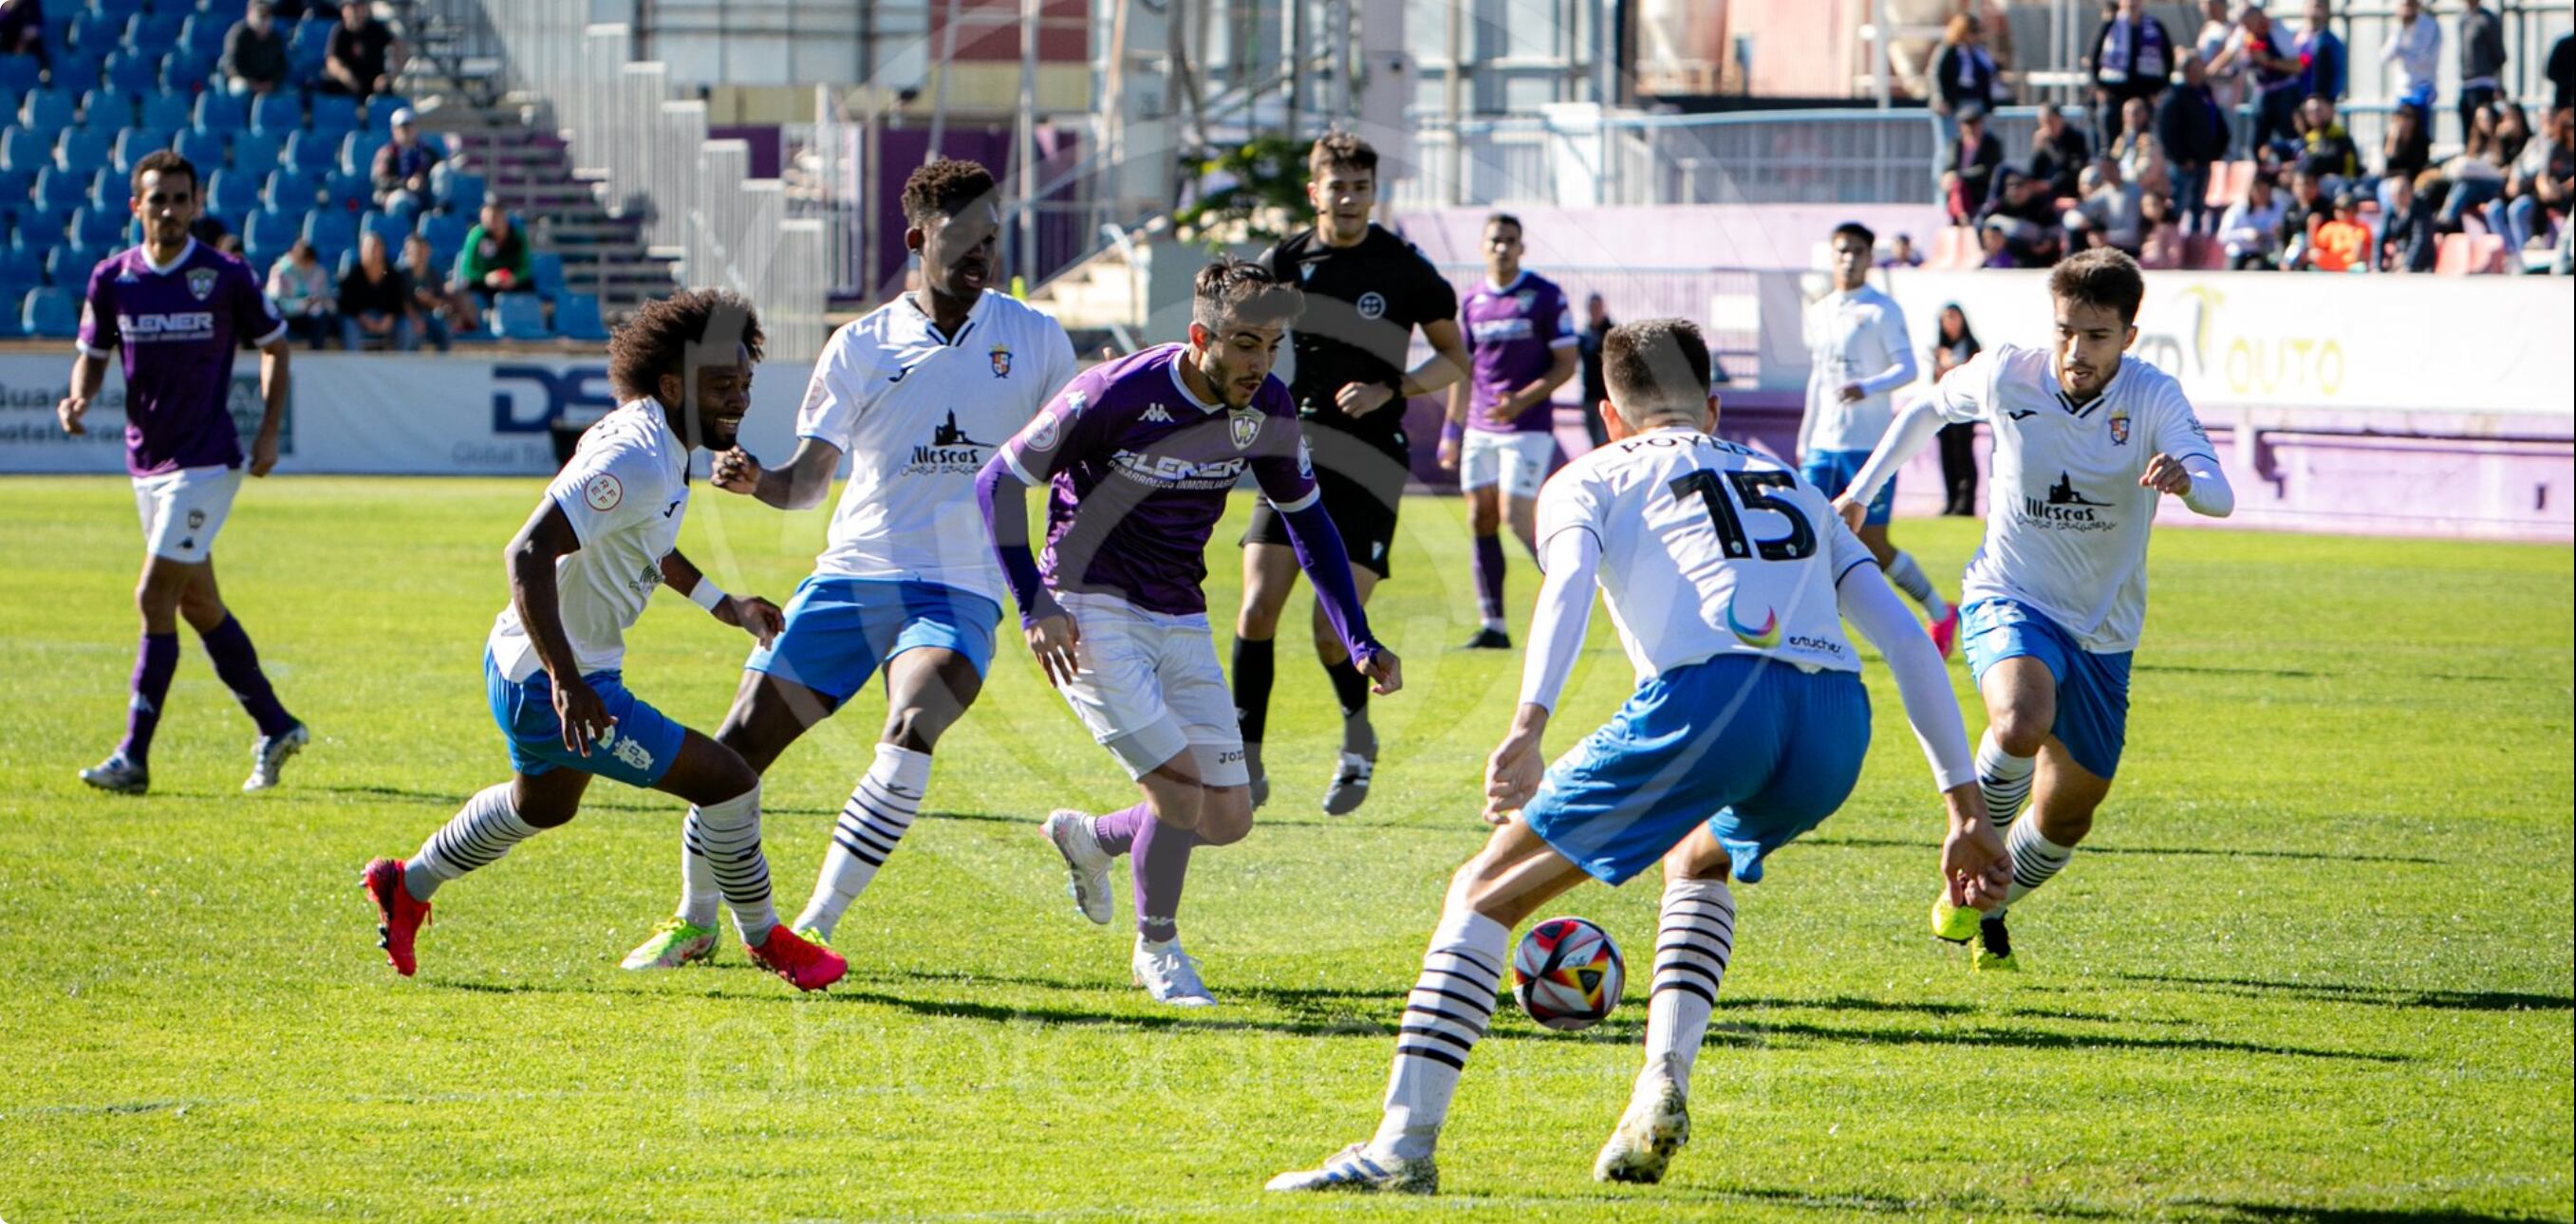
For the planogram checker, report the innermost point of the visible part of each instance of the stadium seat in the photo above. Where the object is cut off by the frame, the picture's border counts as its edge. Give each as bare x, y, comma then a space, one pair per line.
463, 192
393, 229
84, 150
204, 33
97, 33
76, 71
446, 234
267, 234
22, 266
25, 149
232, 194
59, 192
15, 187
257, 151
380, 112
218, 111
358, 151
314, 32
347, 192
577, 318
311, 152
545, 270
332, 232
158, 31
406, 210
335, 115
109, 191
188, 71
2468, 255
166, 109
108, 106
91, 227
51, 314
131, 146
19, 73
292, 190
519, 316
119, 11
9, 100
278, 113
228, 11
203, 149
135, 72
1950, 245
49, 110
70, 264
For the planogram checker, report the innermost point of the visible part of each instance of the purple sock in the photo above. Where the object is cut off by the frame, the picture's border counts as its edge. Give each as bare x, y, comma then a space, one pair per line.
1117, 831
1489, 576
1160, 865
237, 665
154, 663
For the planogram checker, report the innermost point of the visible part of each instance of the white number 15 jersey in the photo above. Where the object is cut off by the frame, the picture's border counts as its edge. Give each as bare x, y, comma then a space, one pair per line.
1708, 548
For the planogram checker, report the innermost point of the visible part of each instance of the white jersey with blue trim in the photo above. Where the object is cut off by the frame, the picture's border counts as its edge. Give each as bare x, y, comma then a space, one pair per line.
626, 492
1853, 337
918, 413
1708, 548
2067, 530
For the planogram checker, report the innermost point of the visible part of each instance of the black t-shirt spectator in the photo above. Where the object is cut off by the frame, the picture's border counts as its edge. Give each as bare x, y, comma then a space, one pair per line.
251, 56
2562, 72
2058, 162
2190, 125
1976, 171
1965, 75
362, 49
1362, 304
2410, 158
360, 296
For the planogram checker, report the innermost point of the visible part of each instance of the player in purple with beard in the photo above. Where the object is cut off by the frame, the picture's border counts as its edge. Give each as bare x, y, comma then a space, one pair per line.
178, 309
1501, 430
1140, 455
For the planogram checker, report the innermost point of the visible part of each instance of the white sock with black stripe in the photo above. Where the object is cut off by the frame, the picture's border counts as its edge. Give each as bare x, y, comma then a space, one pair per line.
880, 809
1906, 576
1443, 1017
2034, 859
1691, 951
727, 835
2004, 779
476, 837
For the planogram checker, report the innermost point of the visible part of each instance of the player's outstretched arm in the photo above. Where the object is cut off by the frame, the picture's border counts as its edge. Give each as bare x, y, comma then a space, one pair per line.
1914, 427
530, 559
273, 377
1318, 545
1564, 614
2196, 479
798, 486
749, 613
1447, 364
1050, 631
1973, 861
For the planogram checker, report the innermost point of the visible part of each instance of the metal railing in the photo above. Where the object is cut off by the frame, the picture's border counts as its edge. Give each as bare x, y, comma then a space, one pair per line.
1723, 301
649, 152
1801, 156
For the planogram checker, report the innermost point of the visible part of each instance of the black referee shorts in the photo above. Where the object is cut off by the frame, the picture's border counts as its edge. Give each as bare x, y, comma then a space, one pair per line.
1360, 493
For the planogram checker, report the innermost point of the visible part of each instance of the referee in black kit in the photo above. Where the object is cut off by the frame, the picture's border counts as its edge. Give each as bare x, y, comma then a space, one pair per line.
1366, 290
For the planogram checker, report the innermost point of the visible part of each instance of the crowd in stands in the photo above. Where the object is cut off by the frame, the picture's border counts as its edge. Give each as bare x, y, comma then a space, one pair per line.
311, 168
2165, 176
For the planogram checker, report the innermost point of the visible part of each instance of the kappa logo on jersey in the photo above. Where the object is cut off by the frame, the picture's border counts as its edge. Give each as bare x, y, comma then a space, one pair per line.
2066, 508
1763, 638
201, 282
1244, 428
1372, 305
1156, 413
1001, 361
602, 492
950, 453
2119, 427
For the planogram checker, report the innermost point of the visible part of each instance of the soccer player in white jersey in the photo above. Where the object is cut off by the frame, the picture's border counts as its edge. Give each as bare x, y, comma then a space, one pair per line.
1859, 355
2088, 442
581, 571
1728, 578
918, 394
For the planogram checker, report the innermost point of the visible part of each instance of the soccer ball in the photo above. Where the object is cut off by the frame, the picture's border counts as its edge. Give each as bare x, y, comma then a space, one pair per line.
1567, 974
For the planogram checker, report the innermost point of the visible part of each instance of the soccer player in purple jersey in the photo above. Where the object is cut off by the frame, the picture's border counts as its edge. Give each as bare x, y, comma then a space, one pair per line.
1501, 430
178, 309
1140, 455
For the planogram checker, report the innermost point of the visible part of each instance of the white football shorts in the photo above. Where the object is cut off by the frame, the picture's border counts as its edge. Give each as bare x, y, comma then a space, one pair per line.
1150, 689
183, 510
1516, 461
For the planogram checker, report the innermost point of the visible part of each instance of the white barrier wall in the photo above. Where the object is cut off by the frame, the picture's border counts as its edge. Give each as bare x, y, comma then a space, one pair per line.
374, 413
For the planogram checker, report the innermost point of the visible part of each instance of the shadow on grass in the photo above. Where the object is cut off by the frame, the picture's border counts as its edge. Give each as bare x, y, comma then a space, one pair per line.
2313, 856
2187, 669
2291, 1213
2369, 996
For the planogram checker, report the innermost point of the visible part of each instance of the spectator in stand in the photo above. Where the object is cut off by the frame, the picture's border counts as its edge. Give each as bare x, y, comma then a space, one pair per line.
2476, 176
1953, 343
2482, 57
1993, 239
2226, 71
1902, 254
2026, 212
2562, 73
2162, 248
2274, 65
2343, 241
375, 301
2131, 59
2406, 150
2308, 208
494, 258
2250, 230
254, 52
2322, 54
363, 55
2414, 53
2194, 134
2538, 188
401, 170
2110, 212
302, 290
2512, 132
1596, 382
2140, 153
1963, 74
2058, 152
1968, 170
2326, 147
440, 312
2408, 242
22, 29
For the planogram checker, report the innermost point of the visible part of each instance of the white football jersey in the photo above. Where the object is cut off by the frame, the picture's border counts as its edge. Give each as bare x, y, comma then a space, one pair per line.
919, 413
626, 491
2067, 531
1853, 338
1708, 548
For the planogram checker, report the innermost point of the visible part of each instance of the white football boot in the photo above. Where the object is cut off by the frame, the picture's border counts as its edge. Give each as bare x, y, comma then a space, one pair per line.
1656, 1125
1086, 865
1168, 974
1360, 1171
270, 753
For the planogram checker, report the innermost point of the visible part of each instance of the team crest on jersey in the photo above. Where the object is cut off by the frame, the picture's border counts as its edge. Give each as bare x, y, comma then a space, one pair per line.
201, 282
1372, 305
1244, 427
1001, 361
1528, 298
602, 492
2119, 427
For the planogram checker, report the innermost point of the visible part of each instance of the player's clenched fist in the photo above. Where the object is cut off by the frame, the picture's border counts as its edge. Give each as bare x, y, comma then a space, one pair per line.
1384, 670
1052, 638
1851, 510
734, 471
70, 412
753, 615
2164, 474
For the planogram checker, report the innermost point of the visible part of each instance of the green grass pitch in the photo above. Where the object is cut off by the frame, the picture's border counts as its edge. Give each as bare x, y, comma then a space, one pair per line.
2315, 964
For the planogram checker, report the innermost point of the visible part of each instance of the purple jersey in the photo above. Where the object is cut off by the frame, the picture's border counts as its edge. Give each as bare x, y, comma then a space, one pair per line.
190, 316
1140, 472
1513, 334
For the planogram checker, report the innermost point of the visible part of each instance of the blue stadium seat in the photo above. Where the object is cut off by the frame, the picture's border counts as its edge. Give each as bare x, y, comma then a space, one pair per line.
232, 194
519, 316
292, 190
107, 106
311, 152
546, 269
110, 191
577, 318
22, 265
314, 32
60, 192
463, 192
132, 144
49, 110
91, 227
380, 112
77, 70
332, 232
167, 109
257, 151
267, 233
9, 100
335, 115
13, 299
188, 71
15, 186
84, 150
157, 31
446, 234
407, 211
97, 33
229, 11
218, 111
135, 72
358, 151
51, 314
120, 11
70, 264
19, 73
203, 149
280, 112
204, 33
389, 226
25, 149
350, 193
